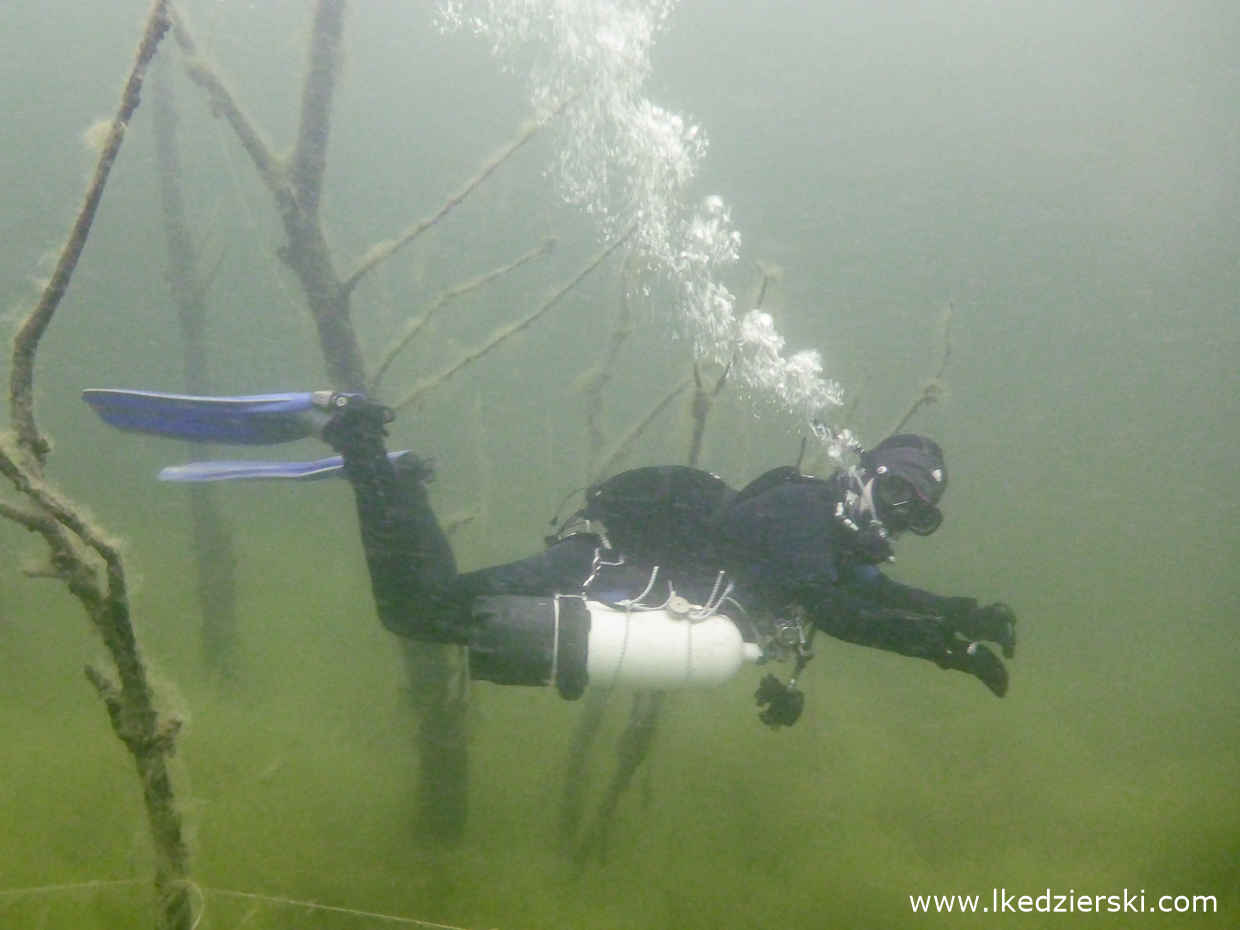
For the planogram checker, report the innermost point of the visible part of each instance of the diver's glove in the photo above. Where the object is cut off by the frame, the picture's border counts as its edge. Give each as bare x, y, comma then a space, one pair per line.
355, 423
995, 623
978, 661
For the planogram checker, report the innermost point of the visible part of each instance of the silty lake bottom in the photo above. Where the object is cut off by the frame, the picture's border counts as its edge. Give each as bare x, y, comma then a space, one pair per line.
1062, 177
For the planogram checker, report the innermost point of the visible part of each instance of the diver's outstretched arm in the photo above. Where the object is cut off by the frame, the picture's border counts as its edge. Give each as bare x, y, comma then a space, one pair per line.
995, 623
841, 614
412, 570
872, 585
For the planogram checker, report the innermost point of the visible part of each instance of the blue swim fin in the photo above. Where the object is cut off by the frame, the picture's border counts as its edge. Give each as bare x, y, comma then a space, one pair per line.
256, 420
239, 471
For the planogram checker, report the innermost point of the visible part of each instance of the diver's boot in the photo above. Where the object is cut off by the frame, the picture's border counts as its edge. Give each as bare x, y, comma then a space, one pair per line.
252, 420
978, 661
1006, 637
354, 423
994, 623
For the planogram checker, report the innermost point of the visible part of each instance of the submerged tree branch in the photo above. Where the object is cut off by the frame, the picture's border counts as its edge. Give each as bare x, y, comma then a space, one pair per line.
634, 746
637, 431
308, 163
580, 747
418, 323
704, 400
306, 252
382, 251
934, 390
504, 333
703, 403
270, 170
67, 565
104, 596
595, 380
21, 377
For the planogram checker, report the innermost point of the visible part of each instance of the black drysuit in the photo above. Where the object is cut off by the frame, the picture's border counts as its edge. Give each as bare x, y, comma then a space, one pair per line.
779, 541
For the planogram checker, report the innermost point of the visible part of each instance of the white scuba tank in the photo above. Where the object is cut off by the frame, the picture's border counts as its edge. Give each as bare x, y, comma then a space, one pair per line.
663, 650
573, 643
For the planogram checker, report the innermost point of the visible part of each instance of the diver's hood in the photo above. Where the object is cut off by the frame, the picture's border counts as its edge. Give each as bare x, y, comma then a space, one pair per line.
915, 458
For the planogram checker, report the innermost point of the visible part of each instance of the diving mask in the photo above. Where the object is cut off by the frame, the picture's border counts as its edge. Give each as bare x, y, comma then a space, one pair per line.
898, 505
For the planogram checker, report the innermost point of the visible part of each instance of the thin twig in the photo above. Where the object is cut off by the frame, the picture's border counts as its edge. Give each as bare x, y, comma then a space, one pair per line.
852, 408
458, 520
703, 400
416, 325
67, 564
306, 252
506, 332
933, 392
314, 906
596, 379
703, 403
638, 430
33, 487
35, 522
270, 170
767, 277
382, 251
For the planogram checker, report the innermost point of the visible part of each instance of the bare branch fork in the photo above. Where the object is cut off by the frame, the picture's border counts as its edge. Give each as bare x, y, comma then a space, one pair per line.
703, 403
296, 182
418, 323
703, 399
21, 378
933, 391
385, 250
504, 333
595, 380
621, 447
82, 555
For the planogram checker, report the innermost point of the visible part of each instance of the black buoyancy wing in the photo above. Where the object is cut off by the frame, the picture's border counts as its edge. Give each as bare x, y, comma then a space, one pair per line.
782, 540
661, 515
784, 474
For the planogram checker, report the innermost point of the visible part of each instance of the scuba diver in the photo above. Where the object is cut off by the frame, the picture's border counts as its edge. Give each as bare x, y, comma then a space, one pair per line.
665, 579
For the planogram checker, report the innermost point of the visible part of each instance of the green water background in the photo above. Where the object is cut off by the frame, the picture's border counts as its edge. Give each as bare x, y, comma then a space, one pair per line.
1064, 175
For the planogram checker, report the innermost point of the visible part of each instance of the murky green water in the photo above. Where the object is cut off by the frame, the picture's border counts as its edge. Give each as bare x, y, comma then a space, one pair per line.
1064, 175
